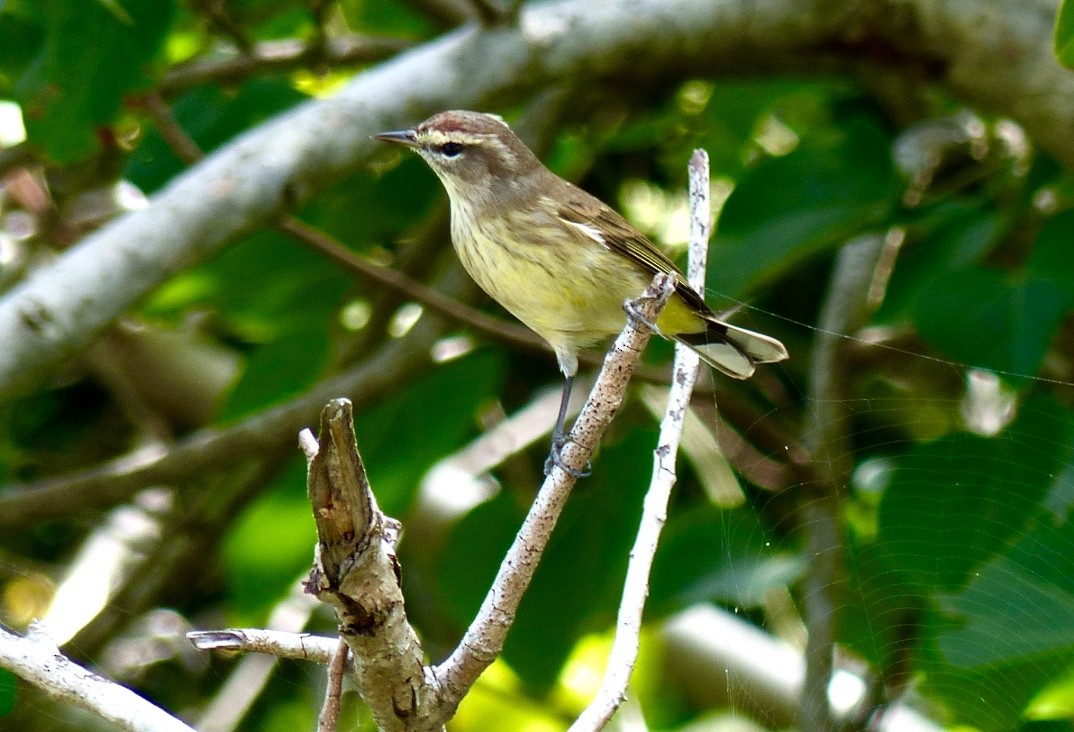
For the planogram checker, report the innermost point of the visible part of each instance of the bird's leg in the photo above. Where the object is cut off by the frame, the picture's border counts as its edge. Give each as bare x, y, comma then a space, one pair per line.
559, 434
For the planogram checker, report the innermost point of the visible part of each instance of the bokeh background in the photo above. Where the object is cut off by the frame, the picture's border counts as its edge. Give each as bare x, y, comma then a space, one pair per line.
892, 187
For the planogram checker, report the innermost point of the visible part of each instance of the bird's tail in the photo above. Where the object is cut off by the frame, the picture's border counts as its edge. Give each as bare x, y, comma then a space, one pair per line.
734, 351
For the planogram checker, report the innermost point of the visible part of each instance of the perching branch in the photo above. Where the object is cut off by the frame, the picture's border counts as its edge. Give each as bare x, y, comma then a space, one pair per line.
59, 309
36, 659
624, 653
484, 638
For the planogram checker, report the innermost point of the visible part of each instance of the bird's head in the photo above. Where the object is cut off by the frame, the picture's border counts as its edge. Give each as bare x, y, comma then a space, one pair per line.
475, 155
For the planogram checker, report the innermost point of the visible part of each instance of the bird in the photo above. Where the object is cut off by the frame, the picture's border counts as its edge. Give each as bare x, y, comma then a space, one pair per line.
557, 258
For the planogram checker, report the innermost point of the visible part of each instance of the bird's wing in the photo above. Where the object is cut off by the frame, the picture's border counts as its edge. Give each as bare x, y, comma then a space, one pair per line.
592, 218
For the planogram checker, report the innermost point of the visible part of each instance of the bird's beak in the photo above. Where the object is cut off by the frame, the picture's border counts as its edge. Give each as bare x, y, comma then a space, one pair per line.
402, 137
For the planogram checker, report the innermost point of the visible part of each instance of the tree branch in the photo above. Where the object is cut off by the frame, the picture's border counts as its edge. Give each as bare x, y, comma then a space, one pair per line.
328, 720
485, 637
36, 659
826, 438
357, 574
281, 644
60, 308
624, 653
274, 57
117, 480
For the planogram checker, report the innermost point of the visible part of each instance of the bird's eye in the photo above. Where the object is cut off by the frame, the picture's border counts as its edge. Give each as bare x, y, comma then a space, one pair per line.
450, 149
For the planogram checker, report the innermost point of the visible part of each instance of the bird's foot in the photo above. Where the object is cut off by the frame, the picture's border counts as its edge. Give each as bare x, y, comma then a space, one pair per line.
635, 316
555, 458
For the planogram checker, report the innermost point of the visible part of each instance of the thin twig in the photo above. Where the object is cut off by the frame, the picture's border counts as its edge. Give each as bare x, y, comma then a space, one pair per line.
181, 143
36, 659
274, 57
217, 14
484, 639
624, 653
328, 719
413, 289
248, 679
278, 643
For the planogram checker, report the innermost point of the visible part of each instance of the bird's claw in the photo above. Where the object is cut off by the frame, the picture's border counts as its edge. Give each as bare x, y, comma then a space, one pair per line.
635, 316
555, 458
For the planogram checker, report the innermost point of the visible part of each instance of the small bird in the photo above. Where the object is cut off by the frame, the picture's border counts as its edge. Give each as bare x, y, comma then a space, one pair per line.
557, 258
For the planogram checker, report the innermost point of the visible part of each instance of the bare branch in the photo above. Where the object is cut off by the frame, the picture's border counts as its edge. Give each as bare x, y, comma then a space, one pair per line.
357, 574
36, 659
328, 719
484, 639
248, 679
282, 644
624, 653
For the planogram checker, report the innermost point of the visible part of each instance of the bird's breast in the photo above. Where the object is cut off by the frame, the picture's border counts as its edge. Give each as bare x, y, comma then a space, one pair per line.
564, 292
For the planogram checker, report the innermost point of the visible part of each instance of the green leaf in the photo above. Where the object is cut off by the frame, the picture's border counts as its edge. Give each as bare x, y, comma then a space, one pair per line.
259, 287
954, 503
983, 317
211, 115
883, 610
1008, 635
387, 17
363, 210
1063, 40
74, 86
1011, 615
22, 28
284, 367
8, 687
402, 437
1006, 322
1050, 260
711, 555
789, 208
269, 546
957, 234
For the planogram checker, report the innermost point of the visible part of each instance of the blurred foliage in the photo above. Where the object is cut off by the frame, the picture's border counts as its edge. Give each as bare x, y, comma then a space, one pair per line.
957, 402
1064, 33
